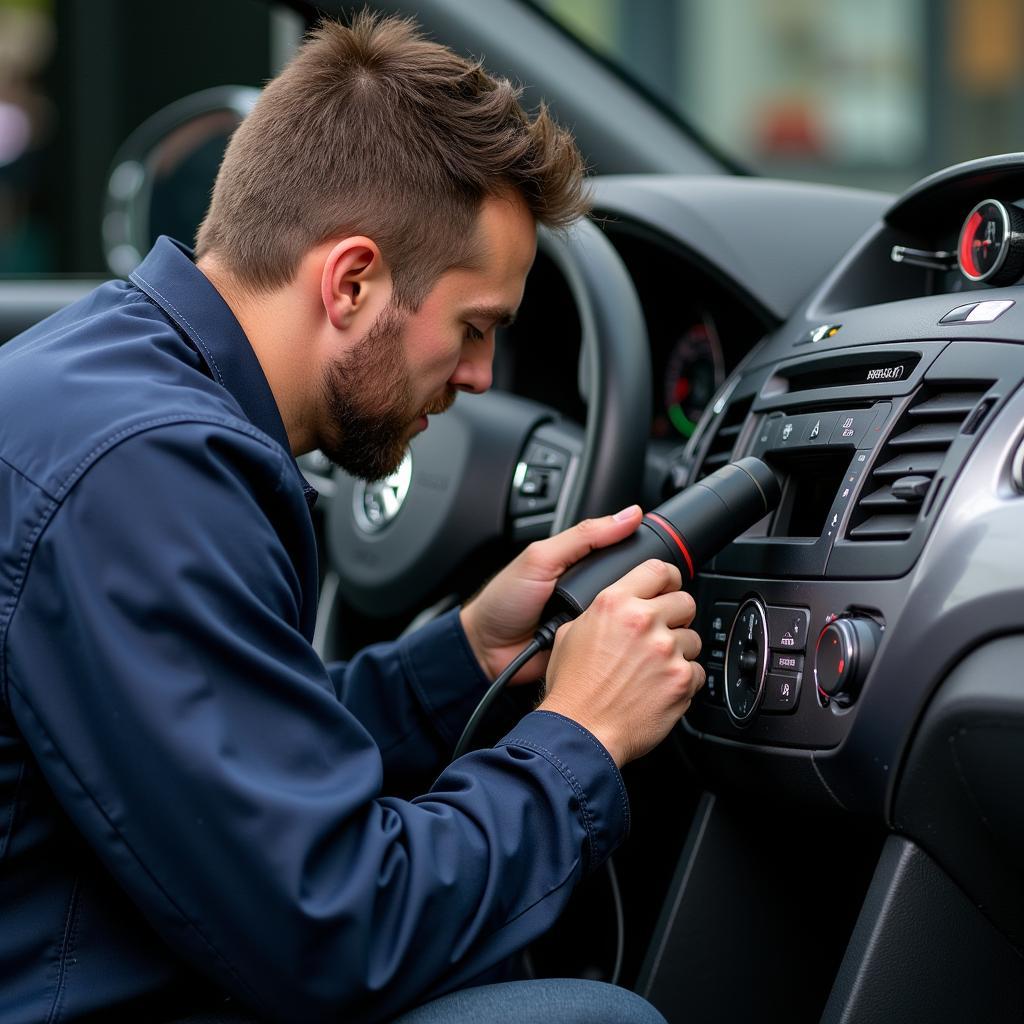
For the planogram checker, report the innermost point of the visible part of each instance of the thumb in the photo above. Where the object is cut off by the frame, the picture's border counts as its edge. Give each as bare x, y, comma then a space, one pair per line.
550, 558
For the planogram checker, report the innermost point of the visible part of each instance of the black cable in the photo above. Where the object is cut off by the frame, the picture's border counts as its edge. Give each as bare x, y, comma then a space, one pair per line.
530, 651
543, 640
620, 921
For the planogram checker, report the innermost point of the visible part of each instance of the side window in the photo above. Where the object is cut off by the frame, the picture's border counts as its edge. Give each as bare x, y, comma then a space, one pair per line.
77, 78
869, 93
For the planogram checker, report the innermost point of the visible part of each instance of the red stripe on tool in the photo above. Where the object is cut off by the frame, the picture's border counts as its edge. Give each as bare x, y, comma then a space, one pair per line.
670, 530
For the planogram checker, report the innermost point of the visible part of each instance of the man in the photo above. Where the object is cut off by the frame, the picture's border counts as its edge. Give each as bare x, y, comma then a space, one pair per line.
191, 804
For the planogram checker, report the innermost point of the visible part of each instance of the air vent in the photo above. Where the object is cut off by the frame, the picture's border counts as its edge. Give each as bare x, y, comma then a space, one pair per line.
726, 433
904, 473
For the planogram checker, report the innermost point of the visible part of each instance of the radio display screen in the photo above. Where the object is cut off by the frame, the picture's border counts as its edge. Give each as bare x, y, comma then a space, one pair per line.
810, 484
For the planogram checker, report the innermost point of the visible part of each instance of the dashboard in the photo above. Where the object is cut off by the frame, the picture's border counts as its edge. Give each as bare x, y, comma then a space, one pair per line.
862, 643
697, 329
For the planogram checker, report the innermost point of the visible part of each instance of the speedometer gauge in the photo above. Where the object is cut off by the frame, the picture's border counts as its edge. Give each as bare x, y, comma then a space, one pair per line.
694, 371
991, 246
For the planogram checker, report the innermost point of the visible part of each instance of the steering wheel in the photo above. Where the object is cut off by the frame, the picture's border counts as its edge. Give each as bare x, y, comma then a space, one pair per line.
501, 467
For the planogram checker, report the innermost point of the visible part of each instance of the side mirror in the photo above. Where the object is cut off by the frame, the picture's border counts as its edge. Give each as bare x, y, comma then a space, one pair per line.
162, 176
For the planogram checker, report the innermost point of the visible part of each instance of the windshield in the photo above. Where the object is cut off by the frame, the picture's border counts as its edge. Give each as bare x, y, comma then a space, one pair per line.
873, 93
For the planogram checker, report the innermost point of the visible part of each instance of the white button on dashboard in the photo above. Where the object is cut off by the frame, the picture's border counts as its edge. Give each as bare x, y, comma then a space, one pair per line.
986, 312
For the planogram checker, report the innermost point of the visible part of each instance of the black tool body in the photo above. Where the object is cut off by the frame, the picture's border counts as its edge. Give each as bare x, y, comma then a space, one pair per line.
687, 530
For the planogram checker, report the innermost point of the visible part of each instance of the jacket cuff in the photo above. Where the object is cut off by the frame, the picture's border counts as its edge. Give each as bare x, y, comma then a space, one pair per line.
587, 769
444, 673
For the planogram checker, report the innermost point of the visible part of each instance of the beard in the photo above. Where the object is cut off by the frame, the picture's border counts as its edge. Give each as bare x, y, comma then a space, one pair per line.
371, 405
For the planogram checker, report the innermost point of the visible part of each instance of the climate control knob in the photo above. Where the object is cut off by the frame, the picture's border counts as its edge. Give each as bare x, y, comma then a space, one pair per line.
843, 655
746, 661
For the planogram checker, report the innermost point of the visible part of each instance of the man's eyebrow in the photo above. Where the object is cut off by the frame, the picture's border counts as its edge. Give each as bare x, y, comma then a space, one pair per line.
500, 316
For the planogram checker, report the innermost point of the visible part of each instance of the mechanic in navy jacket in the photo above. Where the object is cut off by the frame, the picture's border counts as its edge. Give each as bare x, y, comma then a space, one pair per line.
192, 805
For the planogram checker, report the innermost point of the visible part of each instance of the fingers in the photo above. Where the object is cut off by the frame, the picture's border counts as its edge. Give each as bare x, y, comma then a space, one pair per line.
548, 559
689, 643
649, 579
700, 676
675, 609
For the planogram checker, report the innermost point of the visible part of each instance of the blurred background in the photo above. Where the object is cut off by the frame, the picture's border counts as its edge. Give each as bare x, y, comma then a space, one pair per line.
875, 93
872, 93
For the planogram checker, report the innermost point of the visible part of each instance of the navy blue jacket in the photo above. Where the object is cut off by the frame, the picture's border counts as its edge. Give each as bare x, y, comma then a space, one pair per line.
191, 802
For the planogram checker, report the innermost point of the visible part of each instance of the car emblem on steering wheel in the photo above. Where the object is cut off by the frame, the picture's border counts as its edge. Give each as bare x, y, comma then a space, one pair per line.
376, 504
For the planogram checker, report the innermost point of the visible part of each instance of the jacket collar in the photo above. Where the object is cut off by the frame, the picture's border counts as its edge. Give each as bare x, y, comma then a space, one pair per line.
169, 276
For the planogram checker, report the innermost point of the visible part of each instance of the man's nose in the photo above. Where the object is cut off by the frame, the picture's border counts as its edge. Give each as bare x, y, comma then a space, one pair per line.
473, 374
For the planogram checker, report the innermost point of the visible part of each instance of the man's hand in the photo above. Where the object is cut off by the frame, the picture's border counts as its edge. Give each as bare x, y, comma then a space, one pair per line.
501, 619
624, 669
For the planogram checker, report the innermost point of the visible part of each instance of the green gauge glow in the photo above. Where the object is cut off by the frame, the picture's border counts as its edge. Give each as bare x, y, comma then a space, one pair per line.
681, 421
694, 370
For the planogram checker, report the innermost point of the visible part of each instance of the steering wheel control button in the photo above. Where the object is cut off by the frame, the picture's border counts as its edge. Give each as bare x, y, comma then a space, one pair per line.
842, 657
545, 456
746, 661
535, 482
781, 692
535, 490
783, 661
538, 480
787, 629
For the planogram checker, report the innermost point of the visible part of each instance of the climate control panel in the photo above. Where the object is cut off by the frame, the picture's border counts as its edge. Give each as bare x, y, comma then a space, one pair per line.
763, 659
782, 673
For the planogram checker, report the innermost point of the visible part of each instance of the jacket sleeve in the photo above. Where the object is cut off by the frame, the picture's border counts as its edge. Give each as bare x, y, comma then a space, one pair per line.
155, 667
414, 697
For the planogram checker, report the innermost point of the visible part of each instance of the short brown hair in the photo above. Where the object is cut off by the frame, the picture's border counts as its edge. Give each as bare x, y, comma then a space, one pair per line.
373, 129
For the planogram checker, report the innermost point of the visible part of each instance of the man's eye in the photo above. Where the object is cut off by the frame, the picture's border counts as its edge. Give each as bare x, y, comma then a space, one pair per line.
474, 333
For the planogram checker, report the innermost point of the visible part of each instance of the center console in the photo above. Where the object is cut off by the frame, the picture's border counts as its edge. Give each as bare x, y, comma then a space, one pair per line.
868, 443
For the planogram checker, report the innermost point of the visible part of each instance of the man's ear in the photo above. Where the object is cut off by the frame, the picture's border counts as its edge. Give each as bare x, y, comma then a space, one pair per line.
355, 283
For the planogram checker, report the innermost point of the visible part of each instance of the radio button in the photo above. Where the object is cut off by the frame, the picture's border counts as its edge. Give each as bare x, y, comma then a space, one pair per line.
818, 428
852, 426
789, 432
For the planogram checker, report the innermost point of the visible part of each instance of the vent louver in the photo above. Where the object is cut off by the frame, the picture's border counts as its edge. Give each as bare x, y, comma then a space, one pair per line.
726, 434
904, 474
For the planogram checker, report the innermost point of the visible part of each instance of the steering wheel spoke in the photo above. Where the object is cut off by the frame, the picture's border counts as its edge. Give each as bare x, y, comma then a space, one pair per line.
543, 480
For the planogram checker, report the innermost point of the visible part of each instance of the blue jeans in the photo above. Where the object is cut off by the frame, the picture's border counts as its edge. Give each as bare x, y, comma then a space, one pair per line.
547, 1001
